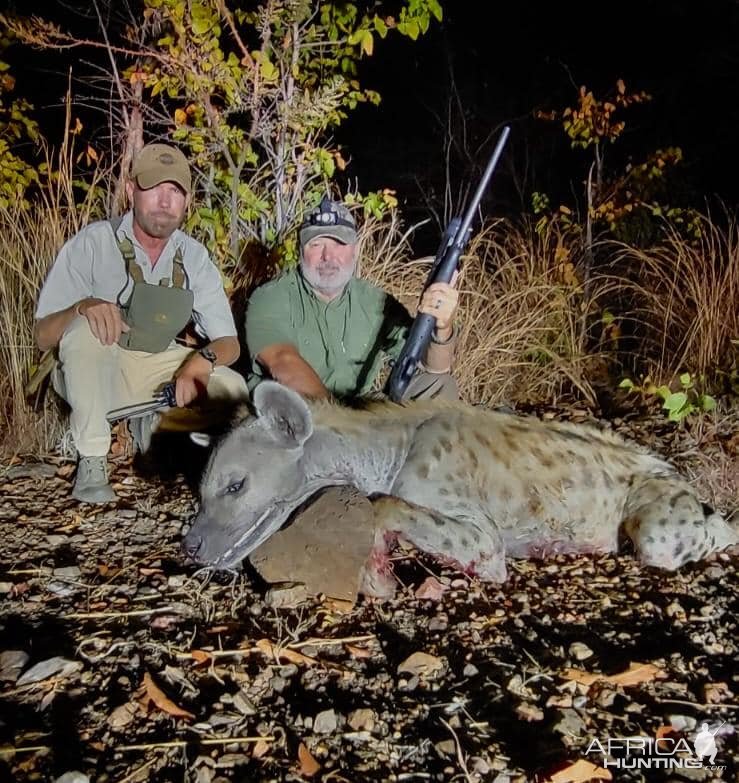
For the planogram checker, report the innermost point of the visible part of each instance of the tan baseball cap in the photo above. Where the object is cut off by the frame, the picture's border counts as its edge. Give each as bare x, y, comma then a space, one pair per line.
157, 163
329, 219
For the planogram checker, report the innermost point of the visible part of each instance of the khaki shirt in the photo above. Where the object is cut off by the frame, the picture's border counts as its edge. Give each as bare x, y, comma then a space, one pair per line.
345, 341
90, 265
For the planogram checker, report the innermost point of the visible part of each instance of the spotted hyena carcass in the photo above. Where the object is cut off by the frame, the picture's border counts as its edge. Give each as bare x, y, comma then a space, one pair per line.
462, 483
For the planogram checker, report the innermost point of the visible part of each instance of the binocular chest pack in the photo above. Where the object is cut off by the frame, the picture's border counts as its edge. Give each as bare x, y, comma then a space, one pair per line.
155, 314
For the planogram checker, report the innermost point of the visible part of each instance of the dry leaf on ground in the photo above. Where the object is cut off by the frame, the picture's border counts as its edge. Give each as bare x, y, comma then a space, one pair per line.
308, 765
273, 651
636, 674
431, 589
580, 772
716, 692
358, 652
664, 731
261, 747
338, 605
153, 693
422, 664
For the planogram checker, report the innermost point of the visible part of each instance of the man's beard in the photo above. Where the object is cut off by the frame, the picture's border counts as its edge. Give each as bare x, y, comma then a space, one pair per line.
327, 277
159, 224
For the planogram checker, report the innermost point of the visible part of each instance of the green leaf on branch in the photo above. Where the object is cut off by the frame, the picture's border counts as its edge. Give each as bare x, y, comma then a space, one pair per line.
368, 43
380, 26
435, 9
268, 70
257, 105
410, 28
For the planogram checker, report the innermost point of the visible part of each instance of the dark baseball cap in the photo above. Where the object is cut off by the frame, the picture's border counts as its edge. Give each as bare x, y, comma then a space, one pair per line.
329, 219
157, 163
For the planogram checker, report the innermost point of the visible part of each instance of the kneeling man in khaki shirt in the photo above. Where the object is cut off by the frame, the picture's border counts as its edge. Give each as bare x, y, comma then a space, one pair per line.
105, 274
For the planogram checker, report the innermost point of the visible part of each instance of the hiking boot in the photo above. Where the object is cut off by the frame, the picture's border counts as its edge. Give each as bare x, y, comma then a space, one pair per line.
142, 428
91, 484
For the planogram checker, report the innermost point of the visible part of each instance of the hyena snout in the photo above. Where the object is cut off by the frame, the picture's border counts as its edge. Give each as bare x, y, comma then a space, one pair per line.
192, 543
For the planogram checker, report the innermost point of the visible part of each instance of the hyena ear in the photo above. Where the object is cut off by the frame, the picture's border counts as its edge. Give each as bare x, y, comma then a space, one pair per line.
201, 439
283, 412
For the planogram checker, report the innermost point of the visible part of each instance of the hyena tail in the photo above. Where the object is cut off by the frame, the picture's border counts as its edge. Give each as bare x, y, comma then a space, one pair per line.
669, 526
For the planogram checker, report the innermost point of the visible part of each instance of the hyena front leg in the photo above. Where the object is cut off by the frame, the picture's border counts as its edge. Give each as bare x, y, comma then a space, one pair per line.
474, 547
669, 526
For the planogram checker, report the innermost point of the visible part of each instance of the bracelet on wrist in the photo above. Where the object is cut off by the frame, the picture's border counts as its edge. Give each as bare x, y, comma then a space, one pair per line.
210, 355
436, 341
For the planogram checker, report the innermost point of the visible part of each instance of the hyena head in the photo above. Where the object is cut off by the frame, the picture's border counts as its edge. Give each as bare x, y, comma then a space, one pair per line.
254, 479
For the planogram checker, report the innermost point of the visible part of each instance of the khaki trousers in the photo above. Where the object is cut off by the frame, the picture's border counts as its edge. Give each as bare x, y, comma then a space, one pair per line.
95, 378
432, 386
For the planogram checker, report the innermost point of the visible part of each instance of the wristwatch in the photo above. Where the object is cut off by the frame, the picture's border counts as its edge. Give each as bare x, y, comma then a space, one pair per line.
209, 354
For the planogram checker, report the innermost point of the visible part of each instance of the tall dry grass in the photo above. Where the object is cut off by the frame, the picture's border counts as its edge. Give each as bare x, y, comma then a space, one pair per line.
521, 330
29, 240
685, 301
526, 332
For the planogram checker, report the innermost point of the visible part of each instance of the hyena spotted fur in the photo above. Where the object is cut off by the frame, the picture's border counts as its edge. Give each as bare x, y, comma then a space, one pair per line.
468, 485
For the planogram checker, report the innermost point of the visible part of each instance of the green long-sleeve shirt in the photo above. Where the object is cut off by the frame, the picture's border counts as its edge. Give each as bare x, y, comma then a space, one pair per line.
345, 341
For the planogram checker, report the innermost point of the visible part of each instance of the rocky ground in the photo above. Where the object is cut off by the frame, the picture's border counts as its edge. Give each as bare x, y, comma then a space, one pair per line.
120, 662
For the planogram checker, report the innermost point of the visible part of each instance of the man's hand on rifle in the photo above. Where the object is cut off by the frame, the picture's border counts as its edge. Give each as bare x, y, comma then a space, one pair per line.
191, 380
440, 300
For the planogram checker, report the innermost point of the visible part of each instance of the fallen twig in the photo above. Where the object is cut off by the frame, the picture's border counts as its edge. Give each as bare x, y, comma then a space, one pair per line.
461, 759
96, 658
108, 615
328, 642
9, 751
184, 743
699, 705
40, 571
186, 656
137, 771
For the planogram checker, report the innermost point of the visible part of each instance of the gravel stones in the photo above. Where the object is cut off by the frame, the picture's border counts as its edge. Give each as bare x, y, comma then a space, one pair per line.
161, 672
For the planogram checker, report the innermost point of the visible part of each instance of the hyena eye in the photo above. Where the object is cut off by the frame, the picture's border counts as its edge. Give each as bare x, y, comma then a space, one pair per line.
234, 488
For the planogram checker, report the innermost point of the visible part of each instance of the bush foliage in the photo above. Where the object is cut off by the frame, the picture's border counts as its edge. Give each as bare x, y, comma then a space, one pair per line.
559, 305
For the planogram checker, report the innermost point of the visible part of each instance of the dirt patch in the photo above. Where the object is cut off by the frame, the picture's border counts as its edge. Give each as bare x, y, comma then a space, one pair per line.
324, 549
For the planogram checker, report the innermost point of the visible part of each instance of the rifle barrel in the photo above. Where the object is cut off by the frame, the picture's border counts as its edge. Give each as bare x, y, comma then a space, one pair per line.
482, 186
447, 259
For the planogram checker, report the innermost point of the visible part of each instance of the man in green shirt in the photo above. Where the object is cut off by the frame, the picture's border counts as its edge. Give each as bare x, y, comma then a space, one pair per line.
324, 332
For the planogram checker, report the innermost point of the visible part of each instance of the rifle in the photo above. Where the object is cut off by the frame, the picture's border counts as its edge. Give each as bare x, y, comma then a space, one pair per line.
452, 246
161, 400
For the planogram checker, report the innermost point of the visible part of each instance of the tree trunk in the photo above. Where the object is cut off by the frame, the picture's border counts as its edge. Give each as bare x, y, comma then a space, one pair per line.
133, 141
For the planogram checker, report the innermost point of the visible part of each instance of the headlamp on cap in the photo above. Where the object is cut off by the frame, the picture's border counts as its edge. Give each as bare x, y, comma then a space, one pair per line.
327, 215
329, 219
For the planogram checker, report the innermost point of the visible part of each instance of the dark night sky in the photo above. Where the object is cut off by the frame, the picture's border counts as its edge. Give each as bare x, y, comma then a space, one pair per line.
509, 59
514, 58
